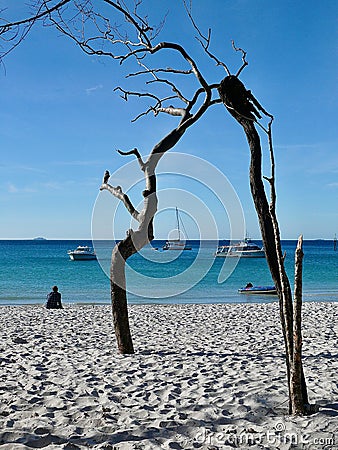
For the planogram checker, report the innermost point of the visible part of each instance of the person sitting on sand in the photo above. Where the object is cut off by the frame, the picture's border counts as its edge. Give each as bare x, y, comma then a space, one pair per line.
54, 299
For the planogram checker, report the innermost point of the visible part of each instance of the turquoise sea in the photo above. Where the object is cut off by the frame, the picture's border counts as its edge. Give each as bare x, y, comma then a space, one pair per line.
30, 267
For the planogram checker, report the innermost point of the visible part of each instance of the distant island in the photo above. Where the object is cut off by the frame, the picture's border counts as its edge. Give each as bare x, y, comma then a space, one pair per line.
39, 238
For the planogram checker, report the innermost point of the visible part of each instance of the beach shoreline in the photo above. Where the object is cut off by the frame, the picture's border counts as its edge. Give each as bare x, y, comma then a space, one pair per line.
203, 376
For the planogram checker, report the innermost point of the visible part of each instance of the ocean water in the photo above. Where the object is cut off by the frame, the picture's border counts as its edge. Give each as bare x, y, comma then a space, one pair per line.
30, 267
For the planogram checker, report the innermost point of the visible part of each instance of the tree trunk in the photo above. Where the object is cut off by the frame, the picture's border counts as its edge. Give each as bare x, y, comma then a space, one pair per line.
119, 296
268, 232
121, 252
120, 319
236, 99
135, 240
271, 240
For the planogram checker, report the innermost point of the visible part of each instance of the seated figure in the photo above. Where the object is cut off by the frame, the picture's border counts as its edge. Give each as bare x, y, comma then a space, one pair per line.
54, 299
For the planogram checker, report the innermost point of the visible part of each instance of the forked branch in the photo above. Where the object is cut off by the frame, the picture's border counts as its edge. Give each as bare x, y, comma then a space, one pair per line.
204, 40
135, 152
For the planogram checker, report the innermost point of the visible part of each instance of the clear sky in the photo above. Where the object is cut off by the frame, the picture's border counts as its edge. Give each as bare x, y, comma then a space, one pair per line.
60, 121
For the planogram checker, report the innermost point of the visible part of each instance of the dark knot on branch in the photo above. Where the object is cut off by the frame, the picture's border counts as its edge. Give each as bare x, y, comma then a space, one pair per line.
146, 193
237, 99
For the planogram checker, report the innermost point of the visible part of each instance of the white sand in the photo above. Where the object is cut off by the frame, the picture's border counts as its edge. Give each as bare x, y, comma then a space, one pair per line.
203, 376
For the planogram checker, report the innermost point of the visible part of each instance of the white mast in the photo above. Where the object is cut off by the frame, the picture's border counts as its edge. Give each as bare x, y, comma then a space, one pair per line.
178, 225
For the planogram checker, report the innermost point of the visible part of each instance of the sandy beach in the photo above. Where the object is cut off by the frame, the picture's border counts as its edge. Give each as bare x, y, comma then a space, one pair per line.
203, 376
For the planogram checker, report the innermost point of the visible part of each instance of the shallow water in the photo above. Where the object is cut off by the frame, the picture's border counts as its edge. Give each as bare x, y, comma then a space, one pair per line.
29, 269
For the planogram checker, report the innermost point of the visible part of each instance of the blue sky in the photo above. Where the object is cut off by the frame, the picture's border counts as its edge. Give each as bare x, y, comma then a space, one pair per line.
60, 121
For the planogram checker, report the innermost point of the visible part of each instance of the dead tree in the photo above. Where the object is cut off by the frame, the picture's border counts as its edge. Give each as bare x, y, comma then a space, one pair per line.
136, 240
246, 110
243, 106
189, 111
121, 48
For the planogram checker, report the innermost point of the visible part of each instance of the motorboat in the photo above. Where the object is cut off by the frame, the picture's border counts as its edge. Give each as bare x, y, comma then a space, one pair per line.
177, 244
243, 249
82, 253
270, 290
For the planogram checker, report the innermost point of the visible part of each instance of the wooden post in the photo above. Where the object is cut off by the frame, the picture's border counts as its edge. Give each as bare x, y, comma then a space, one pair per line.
296, 382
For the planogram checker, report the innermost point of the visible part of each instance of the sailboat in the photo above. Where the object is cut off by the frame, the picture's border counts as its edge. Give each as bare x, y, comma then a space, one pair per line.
176, 244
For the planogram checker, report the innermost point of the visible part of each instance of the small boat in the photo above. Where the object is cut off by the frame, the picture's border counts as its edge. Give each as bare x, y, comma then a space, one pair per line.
270, 290
177, 244
82, 253
244, 249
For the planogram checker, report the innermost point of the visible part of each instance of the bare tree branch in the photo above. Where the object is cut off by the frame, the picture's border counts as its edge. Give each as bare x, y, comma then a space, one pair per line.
173, 111
155, 108
203, 40
118, 193
173, 88
113, 36
245, 63
126, 94
164, 70
135, 152
10, 31
37, 16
